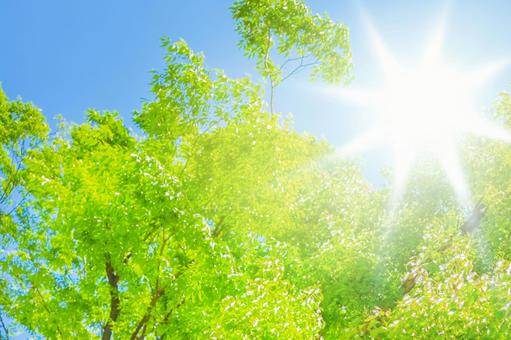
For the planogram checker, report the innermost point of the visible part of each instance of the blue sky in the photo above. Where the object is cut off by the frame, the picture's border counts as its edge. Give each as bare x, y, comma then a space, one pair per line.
68, 56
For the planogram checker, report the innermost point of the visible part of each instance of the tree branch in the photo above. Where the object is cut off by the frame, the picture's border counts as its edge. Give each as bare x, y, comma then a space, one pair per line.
218, 227
113, 280
158, 293
272, 89
266, 62
6, 331
169, 314
147, 315
298, 69
290, 60
48, 309
12, 180
21, 201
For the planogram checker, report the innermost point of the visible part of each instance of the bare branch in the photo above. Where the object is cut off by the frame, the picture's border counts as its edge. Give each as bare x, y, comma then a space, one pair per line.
298, 69
6, 331
290, 60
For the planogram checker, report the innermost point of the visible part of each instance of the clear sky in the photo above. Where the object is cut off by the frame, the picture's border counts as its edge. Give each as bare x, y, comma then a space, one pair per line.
67, 56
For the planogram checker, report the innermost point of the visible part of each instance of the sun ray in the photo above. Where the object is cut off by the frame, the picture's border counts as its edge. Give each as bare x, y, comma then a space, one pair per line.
355, 96
433, 50
451, 164
387, 61
404, 158
361, 143
485, 128
483, 74
426, 109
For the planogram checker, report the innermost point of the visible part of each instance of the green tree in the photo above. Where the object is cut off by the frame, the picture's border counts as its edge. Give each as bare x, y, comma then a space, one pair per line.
284, 38
177, 233
22, 127
221, 221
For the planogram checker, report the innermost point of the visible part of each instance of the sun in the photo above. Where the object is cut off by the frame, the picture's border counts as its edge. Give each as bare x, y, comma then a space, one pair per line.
425, 109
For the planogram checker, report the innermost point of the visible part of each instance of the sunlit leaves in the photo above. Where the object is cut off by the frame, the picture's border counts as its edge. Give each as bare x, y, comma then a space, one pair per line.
221, 221
158, 227
22, 125
190, 98
289, 29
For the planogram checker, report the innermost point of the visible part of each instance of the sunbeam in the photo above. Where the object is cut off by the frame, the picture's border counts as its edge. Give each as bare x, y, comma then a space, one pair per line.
423, 110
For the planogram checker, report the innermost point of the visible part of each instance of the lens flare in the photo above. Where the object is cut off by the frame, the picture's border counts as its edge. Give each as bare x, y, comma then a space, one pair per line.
423, 110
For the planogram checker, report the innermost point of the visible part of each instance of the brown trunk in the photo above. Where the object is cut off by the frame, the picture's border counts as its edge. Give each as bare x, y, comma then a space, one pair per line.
113, 279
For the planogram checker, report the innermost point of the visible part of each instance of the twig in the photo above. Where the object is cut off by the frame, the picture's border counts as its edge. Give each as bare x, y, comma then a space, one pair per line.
290, 60
48, 310
298, 69
167, 316
17, 205
266, 58
6, 331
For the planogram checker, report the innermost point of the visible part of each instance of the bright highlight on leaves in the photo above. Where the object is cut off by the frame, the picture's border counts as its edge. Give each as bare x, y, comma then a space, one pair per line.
223, 222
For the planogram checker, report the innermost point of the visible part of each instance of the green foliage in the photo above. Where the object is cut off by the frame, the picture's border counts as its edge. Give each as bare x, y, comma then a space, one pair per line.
449, 299
21, 126
190, 98
222, 222
289, 27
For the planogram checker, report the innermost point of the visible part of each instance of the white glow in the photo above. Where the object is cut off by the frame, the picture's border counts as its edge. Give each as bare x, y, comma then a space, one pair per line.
427, 107
424, 110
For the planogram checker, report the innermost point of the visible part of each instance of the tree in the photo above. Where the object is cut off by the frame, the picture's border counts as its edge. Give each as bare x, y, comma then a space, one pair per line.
22, 126
221, 221
163, 236
288, 30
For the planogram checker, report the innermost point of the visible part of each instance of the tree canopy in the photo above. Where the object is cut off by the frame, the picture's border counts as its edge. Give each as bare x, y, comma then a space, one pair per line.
219, 220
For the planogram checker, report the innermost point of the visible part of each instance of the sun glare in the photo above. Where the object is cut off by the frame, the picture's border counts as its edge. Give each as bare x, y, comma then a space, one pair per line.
424, 110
